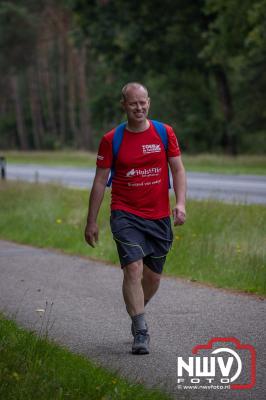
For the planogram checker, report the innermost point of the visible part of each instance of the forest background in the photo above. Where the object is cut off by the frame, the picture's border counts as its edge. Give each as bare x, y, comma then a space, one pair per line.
63, 63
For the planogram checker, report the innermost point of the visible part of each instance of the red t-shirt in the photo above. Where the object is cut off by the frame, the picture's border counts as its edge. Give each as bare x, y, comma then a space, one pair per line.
140, 182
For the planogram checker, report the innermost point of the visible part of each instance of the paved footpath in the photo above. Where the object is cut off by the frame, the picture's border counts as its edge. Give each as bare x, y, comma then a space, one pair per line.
89, 317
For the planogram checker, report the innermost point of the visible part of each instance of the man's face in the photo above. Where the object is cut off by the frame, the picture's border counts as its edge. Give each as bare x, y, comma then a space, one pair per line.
136, 104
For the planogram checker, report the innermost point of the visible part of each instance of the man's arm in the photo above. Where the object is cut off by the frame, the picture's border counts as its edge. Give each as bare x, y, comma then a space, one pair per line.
95, 201
180, 188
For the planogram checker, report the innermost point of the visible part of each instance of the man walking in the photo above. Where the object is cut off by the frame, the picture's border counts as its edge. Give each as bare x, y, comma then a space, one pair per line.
140, 209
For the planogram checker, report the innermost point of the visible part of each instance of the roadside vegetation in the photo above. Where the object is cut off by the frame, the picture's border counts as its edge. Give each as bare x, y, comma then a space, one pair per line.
31, 367
220, 244
213, 163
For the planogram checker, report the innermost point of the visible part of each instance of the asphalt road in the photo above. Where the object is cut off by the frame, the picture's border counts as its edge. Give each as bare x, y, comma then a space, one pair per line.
245, 189
87, 314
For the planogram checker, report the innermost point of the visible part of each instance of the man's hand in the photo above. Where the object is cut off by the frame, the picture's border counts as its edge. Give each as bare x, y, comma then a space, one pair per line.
91, 233
179, 215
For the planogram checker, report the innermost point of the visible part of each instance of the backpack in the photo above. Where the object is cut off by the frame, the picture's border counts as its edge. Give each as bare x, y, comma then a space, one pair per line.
118, 137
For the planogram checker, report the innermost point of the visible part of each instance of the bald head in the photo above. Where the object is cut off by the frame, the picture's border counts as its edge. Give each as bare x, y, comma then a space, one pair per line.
136, 103
132, 86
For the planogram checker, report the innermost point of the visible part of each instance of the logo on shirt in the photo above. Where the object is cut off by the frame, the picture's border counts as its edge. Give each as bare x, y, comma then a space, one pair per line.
144, 172
100, 157
151, 148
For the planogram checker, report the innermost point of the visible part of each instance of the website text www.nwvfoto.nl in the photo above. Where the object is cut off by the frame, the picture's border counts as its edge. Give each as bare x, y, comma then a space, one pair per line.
203, 387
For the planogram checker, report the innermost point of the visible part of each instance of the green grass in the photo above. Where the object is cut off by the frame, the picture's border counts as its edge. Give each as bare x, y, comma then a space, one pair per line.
218, 163
243, 164
52, 158
221, 244
33, 368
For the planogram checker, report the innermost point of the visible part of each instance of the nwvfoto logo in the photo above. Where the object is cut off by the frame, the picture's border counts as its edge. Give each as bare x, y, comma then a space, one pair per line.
234, 367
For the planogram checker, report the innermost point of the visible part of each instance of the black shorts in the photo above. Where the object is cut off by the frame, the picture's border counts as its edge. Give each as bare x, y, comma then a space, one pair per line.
138, 238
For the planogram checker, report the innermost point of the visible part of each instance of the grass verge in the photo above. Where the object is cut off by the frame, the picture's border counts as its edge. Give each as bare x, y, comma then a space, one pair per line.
31, 367
221, 244
52, 158
214, 163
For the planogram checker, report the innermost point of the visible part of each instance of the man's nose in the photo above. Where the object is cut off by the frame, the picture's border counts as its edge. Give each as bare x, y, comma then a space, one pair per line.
138, 106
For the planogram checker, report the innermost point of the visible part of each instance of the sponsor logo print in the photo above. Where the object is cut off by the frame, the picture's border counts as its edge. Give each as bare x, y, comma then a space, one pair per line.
144, 172
147, 183
131, 173
151, 148
222, 363
100, 157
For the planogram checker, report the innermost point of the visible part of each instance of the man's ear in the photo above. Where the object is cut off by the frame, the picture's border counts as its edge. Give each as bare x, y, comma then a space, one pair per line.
122, 102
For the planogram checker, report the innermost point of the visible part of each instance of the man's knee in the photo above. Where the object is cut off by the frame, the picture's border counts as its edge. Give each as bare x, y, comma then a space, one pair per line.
133, 271
155, 280
151, 277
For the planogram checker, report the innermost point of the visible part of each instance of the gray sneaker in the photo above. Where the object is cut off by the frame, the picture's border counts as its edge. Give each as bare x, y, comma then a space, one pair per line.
141, 343
133, 329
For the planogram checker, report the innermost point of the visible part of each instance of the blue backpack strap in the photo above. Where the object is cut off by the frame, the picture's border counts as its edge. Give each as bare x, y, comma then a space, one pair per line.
162, 132
116, 143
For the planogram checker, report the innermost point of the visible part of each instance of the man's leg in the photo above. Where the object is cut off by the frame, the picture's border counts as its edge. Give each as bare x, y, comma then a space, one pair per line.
134, 300
150, 283
132, 288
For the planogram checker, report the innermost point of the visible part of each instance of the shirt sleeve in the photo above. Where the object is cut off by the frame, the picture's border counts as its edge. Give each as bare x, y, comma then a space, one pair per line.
105, 154
173, 146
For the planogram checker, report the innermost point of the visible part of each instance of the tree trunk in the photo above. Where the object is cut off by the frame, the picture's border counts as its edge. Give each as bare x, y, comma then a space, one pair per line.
47, 85
229, 140
61, 44
23, 139
36, 115
85, 126
3, 105
72, 96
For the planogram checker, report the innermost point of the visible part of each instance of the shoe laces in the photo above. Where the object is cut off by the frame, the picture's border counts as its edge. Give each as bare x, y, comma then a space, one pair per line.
140, 336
